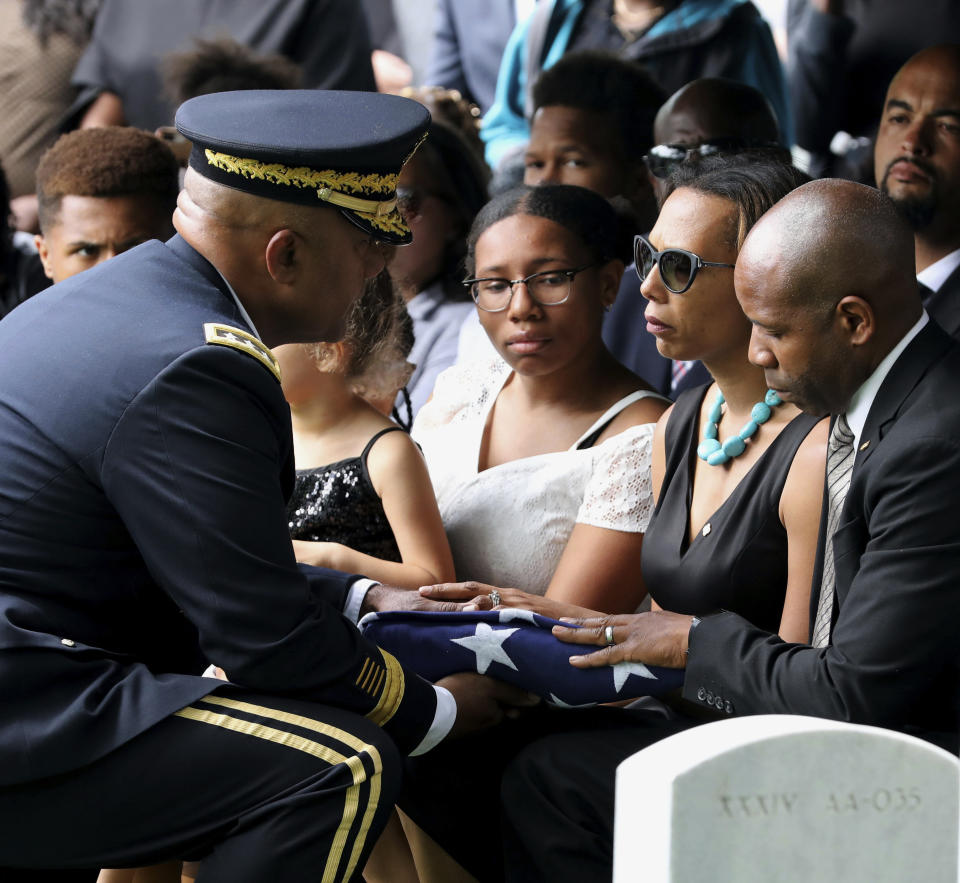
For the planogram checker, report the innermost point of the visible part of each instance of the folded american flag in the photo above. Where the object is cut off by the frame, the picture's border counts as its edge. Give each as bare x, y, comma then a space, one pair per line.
511, 645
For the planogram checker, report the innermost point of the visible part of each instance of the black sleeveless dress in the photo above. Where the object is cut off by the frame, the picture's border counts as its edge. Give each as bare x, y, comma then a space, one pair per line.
337, 503
739, 562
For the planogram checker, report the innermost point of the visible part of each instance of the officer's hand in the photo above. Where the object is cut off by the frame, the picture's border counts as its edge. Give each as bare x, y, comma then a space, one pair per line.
381, 597
483, 702
479, 596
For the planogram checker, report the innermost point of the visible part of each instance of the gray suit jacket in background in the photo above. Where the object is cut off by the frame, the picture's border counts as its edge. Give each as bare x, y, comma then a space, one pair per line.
468, 41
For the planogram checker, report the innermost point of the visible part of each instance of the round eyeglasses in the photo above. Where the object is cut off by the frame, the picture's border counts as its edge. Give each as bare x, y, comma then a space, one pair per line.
549, 288
678, 267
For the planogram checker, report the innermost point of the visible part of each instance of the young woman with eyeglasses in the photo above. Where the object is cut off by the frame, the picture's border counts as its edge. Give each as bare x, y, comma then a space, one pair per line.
541, 459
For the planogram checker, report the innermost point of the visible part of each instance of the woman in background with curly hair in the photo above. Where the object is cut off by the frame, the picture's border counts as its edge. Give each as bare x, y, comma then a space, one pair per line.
440, 191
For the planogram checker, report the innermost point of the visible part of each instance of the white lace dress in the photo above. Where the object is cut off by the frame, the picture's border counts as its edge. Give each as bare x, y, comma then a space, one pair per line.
509, 525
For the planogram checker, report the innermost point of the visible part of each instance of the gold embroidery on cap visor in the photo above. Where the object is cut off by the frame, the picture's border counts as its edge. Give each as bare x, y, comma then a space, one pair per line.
381, 214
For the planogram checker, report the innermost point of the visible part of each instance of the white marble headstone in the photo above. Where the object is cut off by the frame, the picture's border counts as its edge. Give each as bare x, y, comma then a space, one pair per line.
787, 798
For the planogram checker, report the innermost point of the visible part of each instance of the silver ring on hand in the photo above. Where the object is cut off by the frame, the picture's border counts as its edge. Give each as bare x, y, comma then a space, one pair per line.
494, 598
608, 635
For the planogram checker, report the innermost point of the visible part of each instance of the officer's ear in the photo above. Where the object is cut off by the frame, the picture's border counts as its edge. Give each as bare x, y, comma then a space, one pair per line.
281, 256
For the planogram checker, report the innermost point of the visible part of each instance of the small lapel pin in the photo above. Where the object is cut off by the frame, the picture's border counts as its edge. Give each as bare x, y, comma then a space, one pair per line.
707, 529
865, 445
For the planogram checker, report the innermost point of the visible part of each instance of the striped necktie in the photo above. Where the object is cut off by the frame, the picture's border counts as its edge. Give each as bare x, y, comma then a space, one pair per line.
678, 371
840, 457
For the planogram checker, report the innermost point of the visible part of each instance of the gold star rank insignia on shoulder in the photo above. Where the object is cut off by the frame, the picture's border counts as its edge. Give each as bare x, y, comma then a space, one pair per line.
227, 335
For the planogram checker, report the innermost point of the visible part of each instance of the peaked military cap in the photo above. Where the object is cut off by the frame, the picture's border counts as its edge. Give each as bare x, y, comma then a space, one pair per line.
310, 147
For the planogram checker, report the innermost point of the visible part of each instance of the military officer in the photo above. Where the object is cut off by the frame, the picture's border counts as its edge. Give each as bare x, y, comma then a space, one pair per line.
145, 456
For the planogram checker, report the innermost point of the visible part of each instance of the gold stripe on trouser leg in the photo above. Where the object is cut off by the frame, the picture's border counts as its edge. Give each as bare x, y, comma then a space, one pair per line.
331, 756
347, 738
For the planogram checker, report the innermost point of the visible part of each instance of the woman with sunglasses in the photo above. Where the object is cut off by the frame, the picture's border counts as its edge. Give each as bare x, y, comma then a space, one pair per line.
737, 471
540, 460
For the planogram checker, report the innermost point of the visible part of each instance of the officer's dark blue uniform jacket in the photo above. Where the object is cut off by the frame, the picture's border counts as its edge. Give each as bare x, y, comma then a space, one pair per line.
143, 477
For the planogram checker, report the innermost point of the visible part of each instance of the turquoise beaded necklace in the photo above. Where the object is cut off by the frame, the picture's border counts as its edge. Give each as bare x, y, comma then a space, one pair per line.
715, 453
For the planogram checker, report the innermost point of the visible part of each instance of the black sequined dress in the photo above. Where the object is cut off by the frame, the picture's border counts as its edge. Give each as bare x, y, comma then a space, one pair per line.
337, 503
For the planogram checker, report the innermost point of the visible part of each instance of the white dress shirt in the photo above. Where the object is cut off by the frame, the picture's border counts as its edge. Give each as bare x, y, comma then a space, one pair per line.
938, 273
862, 401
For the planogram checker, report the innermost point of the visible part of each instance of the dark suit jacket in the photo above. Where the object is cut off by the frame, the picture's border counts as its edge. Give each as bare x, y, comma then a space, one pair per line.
626, 336
944, 304
894, 652
468, 41
143, 530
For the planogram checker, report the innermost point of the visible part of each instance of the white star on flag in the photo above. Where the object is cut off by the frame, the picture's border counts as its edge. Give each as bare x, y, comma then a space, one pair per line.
512, 613
487, 643
623, 670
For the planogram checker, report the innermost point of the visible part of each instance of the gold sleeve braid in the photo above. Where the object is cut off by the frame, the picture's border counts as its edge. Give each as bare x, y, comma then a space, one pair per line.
388, 682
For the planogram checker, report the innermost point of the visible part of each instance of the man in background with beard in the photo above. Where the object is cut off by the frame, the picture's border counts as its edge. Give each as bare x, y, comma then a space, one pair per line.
917, 164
